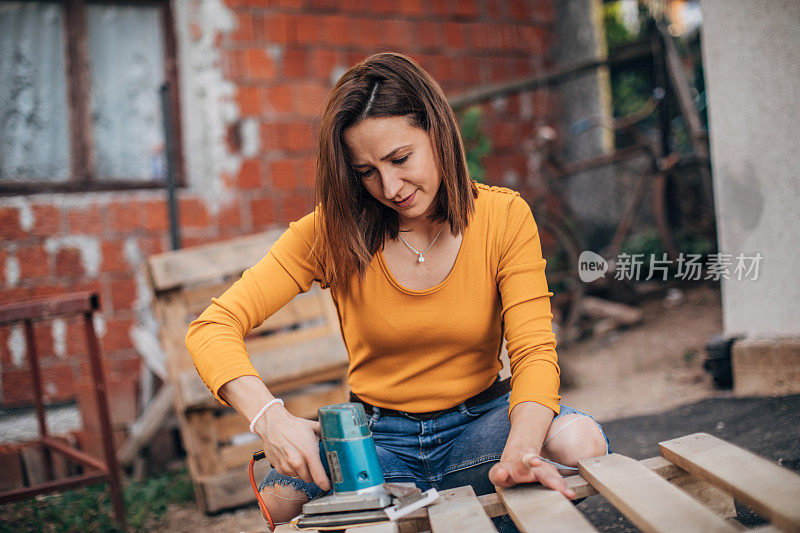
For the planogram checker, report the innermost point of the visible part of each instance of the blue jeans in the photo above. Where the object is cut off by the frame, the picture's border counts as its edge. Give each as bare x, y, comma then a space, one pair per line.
454, 449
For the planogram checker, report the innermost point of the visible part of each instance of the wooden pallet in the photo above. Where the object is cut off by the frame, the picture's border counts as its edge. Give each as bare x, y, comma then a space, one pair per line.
691, 487
298, 351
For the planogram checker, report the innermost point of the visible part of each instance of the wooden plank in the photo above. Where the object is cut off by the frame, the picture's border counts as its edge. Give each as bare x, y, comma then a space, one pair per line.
385, 527
202, 444
209, 262
683, 92
459, 512
301, 308
537, 508
297, 360
171, 314
303, 405
650, 502
494, 506
199, 297
769, 528
230, 424
306, 403
264, 346
149, 348
418, 520
229, 489
148, 423
766, 366
709, 495
770, 490
718, 501
236, 456
288, 528
33, 460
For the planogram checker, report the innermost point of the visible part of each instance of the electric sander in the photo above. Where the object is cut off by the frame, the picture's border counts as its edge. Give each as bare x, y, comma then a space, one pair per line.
359, 496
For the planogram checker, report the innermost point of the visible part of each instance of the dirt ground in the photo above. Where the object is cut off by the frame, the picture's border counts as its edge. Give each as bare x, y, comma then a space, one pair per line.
650, 368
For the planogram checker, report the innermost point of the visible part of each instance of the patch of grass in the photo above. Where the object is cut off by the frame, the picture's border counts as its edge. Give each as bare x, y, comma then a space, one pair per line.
89, 508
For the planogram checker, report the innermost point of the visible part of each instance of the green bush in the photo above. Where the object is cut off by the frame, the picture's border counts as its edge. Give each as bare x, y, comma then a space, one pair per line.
476, 144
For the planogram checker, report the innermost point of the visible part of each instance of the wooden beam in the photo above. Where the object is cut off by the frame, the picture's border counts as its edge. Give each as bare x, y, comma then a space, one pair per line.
649, 501
535, 508
770, 490
147, 425
683, 92
209, 262
459, 512
385, 527
149, 348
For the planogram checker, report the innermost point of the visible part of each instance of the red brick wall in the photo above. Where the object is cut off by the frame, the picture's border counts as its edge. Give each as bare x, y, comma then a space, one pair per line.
282, 59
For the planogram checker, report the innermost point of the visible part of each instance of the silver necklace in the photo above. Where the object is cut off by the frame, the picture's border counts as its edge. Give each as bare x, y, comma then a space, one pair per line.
421, 258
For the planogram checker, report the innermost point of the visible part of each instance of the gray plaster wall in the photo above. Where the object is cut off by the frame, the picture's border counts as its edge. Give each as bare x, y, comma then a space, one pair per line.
580, 38
751, 52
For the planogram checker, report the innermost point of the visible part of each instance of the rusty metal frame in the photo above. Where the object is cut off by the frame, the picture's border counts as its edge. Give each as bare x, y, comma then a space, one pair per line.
96, 470
82, 176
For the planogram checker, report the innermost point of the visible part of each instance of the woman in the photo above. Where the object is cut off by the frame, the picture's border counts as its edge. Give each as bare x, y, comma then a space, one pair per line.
428, 271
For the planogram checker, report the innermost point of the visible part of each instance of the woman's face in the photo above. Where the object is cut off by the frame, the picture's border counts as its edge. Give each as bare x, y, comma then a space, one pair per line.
396, 164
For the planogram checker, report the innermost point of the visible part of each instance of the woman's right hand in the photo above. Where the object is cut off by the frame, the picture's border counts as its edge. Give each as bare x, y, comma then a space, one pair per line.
291, 445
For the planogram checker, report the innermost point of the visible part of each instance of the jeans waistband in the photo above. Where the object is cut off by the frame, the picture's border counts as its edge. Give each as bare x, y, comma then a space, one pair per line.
495, 390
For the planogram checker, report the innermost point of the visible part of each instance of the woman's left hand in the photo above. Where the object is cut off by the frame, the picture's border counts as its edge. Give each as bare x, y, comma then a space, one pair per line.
527, 468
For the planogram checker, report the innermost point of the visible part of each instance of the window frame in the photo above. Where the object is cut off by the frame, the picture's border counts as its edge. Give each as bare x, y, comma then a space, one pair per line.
82, 177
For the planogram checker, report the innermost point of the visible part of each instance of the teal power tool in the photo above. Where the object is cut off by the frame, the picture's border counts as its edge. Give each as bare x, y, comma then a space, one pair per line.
359, 495
347, 449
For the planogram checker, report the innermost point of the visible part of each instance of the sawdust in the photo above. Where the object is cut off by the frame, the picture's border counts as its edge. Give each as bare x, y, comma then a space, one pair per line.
650, 368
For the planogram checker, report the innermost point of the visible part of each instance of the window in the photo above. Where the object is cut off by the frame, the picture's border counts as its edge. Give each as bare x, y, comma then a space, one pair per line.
80, 105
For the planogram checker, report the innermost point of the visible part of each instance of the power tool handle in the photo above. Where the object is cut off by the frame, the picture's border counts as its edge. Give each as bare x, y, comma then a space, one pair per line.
324, 458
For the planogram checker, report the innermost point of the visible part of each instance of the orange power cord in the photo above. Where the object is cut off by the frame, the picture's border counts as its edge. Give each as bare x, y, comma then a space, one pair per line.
257, 456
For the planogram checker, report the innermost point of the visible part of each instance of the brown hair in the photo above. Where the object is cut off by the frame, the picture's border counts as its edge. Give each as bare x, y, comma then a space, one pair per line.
353, 224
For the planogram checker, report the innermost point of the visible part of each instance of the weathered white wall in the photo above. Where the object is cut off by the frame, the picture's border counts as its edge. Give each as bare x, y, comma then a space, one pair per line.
751, 54
207, 98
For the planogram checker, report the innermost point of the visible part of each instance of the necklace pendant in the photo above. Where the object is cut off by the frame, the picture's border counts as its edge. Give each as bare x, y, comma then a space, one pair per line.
421, 259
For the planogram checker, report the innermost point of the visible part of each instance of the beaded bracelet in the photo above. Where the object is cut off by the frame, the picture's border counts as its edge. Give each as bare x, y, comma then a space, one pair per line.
262, 411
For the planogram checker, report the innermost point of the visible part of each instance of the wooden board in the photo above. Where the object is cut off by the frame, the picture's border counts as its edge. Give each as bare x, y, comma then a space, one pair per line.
386, 527
298, 350
459, 512
227, 490
766, 366
649, 501
539, 509
209, 262
772, 491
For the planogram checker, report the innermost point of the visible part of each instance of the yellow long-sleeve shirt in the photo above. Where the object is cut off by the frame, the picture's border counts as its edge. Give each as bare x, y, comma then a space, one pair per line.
410, 350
